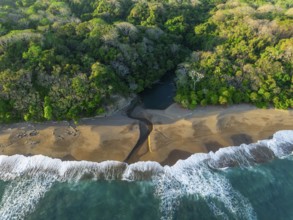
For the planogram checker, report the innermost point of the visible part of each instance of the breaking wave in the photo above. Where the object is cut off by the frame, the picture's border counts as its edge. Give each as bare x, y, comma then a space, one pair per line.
29, 178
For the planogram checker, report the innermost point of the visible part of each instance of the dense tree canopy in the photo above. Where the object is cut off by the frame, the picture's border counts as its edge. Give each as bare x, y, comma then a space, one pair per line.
244, 54
63, 59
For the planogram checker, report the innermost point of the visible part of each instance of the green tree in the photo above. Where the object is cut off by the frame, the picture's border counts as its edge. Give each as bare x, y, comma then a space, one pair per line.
48, 113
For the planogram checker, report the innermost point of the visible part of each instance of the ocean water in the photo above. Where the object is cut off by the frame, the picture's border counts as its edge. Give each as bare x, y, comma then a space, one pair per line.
243, 182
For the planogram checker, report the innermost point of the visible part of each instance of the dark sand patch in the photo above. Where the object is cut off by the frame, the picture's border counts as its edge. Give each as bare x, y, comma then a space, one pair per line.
239, 139
174, 156
212, 146
201, 129
68, 157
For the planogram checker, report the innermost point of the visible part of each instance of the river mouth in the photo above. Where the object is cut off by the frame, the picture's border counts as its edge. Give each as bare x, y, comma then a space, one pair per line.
161, 94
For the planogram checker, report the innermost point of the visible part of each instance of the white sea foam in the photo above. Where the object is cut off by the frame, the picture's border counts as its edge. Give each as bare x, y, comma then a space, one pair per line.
21, 196
281, 143
193, 177
18, 165
142, 170
29, 178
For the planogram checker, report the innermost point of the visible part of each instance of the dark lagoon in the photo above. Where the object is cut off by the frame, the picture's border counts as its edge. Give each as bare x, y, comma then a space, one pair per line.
161, 94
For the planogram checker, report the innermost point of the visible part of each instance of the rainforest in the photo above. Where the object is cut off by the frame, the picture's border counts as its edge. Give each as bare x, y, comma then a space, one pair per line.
66, 59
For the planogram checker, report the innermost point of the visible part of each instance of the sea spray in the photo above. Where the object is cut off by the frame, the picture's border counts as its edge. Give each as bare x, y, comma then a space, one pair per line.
200, 177
142, 171
193, 177
31, 177
22, 195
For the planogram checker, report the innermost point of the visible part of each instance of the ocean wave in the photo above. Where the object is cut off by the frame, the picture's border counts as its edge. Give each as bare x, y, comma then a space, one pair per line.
29, 178
197, 176
14, 166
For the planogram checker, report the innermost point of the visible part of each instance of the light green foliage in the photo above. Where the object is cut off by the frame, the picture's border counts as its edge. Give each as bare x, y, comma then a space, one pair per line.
176, 25
48, 112
246, 56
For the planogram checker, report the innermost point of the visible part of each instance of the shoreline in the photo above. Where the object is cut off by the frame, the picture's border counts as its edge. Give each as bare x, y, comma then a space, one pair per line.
184, 132
177, 133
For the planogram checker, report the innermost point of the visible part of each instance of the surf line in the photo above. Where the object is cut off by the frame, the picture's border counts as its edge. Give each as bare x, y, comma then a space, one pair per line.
145, 128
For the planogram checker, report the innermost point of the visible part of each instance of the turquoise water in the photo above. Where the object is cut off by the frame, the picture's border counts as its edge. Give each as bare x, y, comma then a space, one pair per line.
98, 200
247, 182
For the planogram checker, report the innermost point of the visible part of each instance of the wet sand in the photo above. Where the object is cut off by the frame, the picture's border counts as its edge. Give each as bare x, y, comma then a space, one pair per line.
95, 139
177, 133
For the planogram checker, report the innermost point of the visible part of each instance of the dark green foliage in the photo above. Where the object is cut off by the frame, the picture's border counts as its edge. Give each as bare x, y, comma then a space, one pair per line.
66, 59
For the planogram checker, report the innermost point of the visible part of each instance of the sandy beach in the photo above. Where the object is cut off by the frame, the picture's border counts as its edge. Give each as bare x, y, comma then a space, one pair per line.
177, 133
95, 139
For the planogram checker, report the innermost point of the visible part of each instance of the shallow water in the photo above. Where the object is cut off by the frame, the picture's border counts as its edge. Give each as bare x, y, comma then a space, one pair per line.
247, 182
